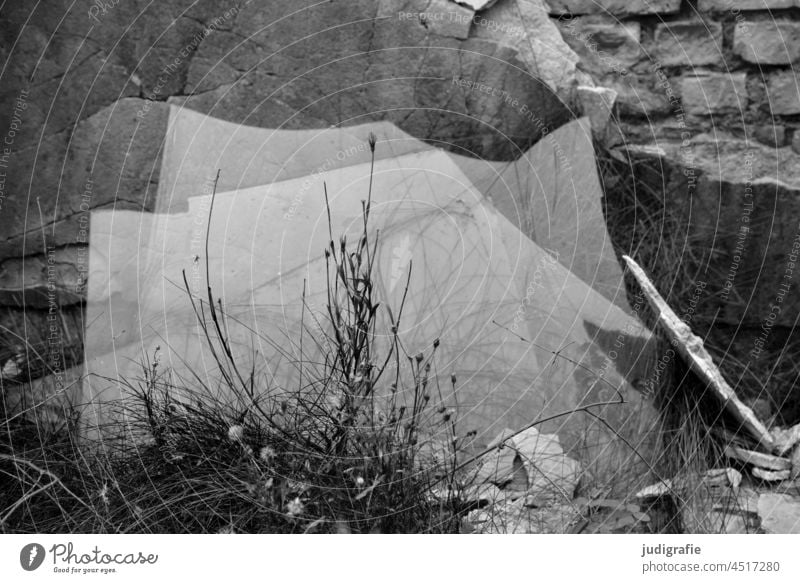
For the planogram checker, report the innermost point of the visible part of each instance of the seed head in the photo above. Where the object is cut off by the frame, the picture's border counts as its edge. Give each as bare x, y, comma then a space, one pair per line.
235, 432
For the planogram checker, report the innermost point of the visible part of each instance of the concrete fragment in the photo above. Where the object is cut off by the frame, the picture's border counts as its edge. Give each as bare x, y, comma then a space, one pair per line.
697, 357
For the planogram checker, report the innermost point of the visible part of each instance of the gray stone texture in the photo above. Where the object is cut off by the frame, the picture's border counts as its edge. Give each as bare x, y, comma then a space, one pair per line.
768, 42
688, 43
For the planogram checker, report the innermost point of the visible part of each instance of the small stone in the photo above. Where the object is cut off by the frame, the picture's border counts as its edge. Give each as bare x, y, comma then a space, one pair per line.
783, 92
688, 42
597, 103
708, 92
767, 42
779, 513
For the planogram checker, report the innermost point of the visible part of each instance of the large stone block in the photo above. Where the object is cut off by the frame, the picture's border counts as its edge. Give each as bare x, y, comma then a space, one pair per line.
618, 7
768, 42
708, 92
783, 93
689, 43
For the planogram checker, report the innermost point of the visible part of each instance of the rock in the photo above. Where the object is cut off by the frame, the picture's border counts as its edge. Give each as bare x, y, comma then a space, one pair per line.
446, 18
47, 400
597, 103
663, 488
734, 6
636, 97
551, 475
768, 42
783, 94
719, 480
112, 158
98, 113
516, 518
527, 27
603, 43
43, 281
769, 476
761, 460
785, 438
477, 4
688, 42
708, 92
772, 135
795, 470
616, 7
796, 141
779, 513
498, 467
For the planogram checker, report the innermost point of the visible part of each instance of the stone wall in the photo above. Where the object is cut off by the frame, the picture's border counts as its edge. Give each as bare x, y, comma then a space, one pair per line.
696, 104
706, 130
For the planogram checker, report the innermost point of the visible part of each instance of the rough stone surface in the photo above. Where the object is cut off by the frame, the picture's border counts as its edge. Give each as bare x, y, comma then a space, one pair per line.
95, 113
779, 513
736, 5
708, 92
604, 43
690, 43
527, 27
796, 142
783, 93
768, 42
770, 135
446, 18
617, 7
597, 103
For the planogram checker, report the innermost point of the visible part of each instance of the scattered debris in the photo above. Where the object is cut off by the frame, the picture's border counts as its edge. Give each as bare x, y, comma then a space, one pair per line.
768, 476
785, 438
795, 470
779, 513
760, 460
526, 484
691, 347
